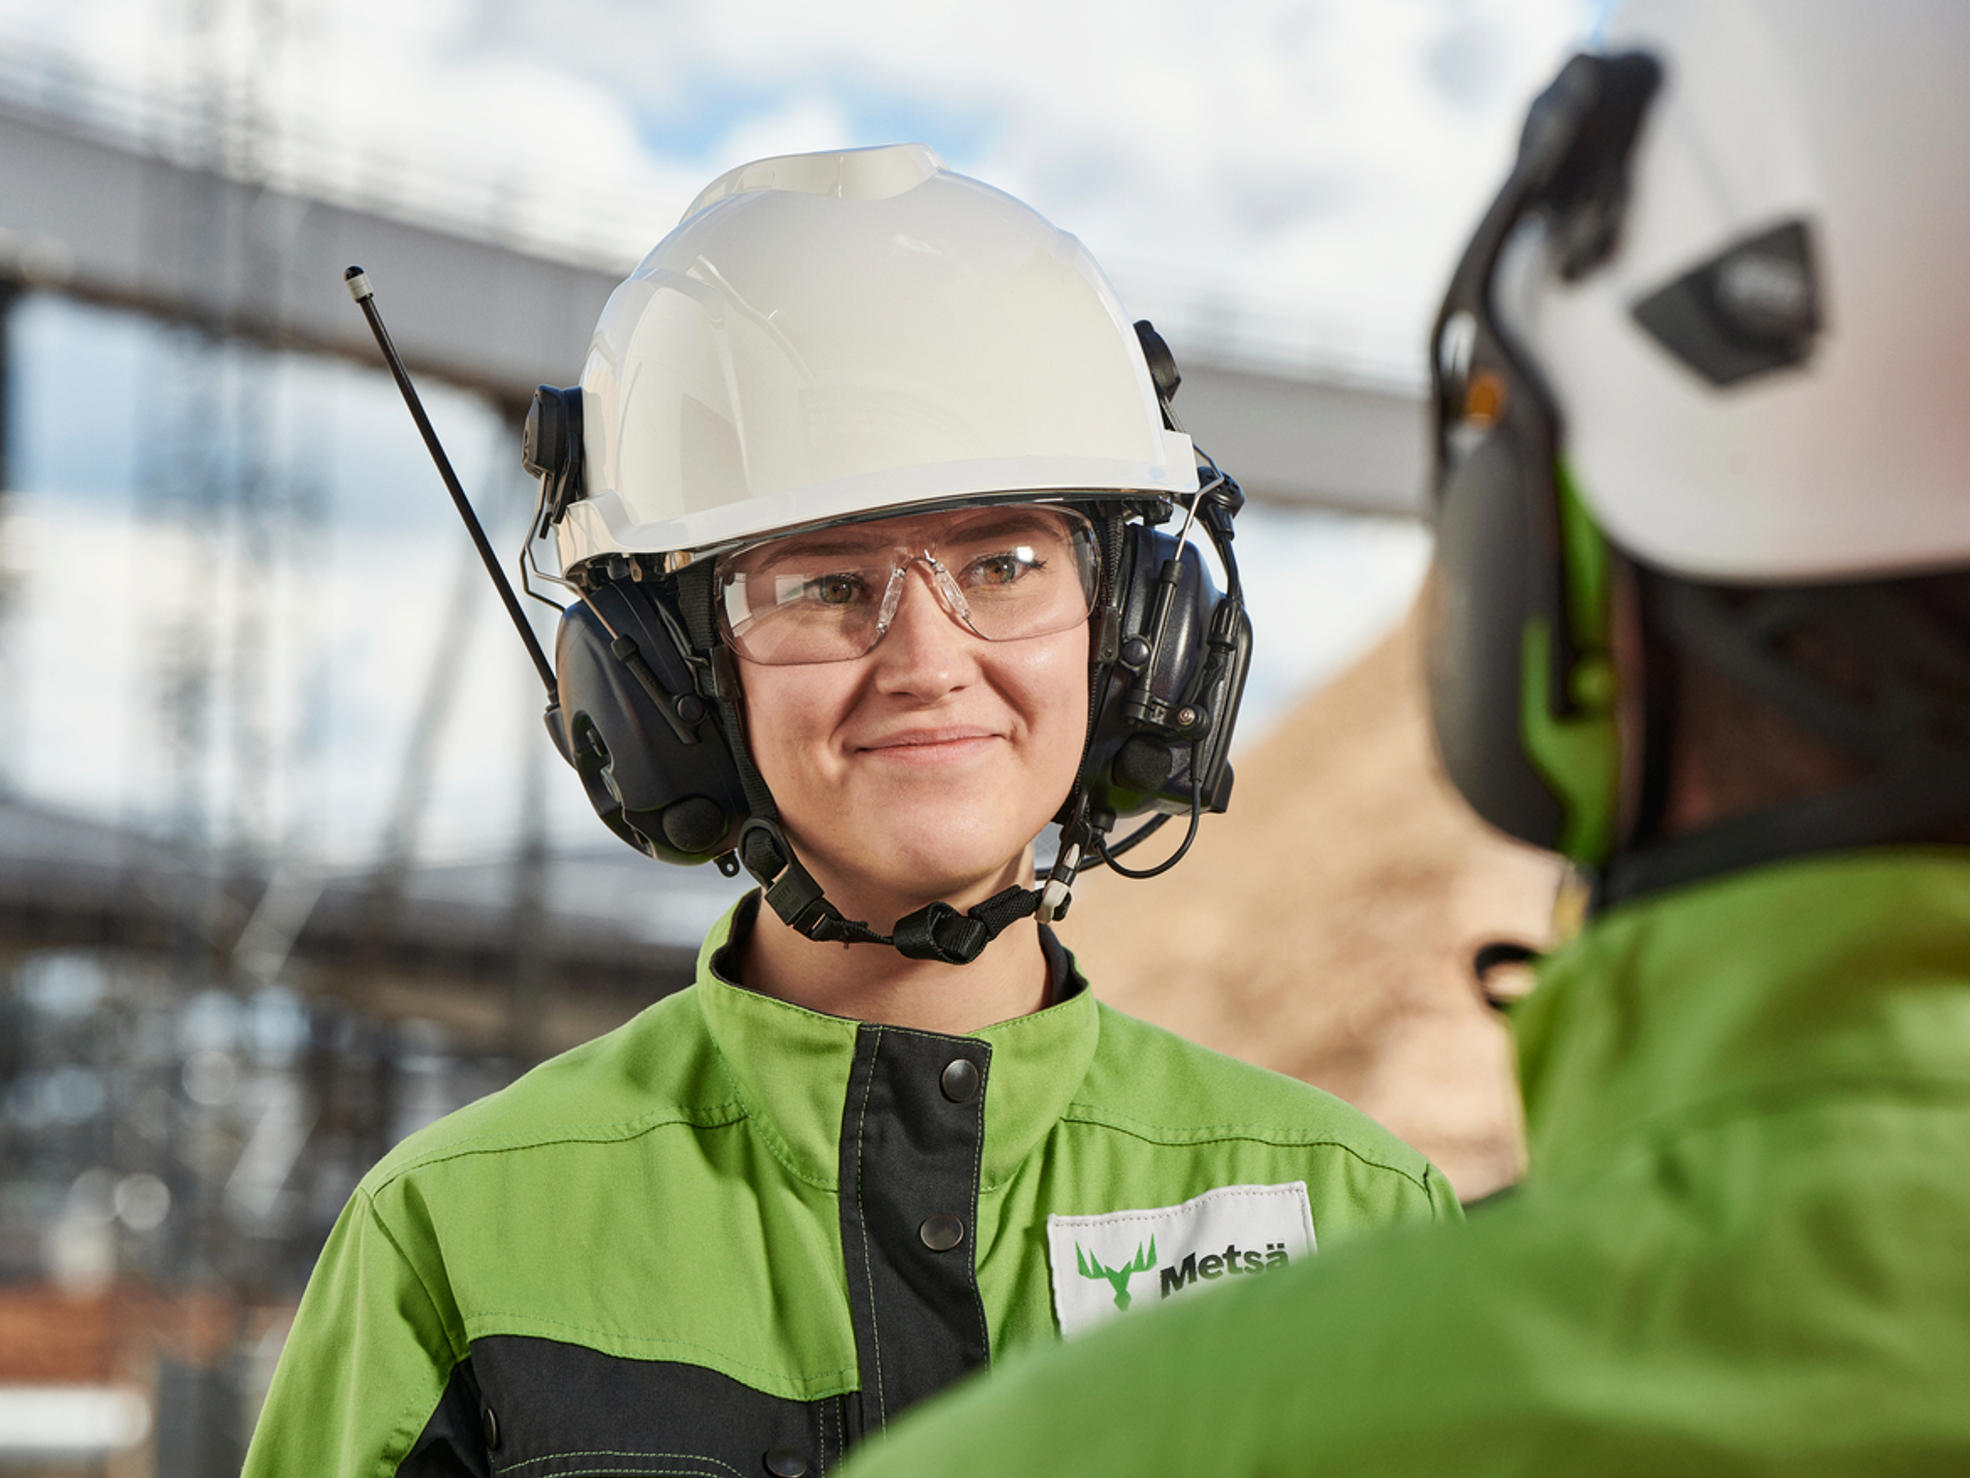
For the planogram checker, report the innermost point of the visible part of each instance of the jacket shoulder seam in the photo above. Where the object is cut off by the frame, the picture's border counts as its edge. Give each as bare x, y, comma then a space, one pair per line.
1173, 1135
711, 1116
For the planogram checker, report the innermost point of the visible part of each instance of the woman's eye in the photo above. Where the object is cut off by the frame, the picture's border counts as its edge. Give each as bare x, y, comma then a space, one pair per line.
1002, 569
835, 590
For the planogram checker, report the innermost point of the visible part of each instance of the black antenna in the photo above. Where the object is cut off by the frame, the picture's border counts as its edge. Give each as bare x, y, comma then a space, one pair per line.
365, 296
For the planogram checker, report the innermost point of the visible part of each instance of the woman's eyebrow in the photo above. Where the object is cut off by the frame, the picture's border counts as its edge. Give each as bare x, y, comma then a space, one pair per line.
1013, 521
817, 548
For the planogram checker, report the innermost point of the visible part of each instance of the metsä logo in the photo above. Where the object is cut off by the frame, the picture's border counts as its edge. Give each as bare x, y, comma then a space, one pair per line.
1118, 1278
1232, 1262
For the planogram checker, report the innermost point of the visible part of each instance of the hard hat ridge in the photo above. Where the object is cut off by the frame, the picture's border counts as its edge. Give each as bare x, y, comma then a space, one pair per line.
828, 335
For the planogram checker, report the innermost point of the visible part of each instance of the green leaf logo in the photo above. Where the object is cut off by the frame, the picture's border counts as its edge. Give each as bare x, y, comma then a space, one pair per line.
1118, 1278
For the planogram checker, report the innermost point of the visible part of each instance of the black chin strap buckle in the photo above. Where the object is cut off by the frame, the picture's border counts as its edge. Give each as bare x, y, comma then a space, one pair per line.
939, 932
789, 889
936, 931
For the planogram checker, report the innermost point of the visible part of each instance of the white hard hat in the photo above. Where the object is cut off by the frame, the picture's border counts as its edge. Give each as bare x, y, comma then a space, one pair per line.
1768, 380
828, 335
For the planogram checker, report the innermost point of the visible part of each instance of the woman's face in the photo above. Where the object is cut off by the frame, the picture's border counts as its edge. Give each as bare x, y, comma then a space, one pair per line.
923, 768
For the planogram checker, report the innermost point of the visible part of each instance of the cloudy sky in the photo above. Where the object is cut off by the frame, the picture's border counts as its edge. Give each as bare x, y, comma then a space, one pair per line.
1296, 176
1306, 164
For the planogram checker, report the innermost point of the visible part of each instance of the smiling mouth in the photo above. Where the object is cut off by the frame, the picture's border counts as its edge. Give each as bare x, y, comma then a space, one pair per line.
930, 744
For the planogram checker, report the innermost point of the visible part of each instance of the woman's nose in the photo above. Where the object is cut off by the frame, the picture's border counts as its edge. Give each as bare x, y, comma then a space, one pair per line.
925, 652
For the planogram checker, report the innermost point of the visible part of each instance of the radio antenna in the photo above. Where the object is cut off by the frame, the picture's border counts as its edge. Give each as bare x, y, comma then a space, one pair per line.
357, 281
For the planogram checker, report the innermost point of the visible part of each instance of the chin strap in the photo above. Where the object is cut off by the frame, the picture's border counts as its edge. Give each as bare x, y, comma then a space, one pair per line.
937, 931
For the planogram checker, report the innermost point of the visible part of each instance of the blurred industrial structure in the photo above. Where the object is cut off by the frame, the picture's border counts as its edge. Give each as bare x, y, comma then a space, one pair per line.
207, 1031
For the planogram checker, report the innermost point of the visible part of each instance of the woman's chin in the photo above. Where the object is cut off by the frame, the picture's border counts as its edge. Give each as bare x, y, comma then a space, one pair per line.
910, 871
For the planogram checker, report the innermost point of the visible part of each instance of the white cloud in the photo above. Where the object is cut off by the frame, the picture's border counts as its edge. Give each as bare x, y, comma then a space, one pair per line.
1313, 163
1294, 175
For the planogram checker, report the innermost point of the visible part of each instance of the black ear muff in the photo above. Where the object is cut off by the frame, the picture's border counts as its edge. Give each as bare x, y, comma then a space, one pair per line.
1163, 727
1520, 673
550, 448
1485, 589
648, 747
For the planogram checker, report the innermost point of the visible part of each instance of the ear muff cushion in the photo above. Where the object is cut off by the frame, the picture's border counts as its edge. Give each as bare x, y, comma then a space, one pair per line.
682, 800
1492, 554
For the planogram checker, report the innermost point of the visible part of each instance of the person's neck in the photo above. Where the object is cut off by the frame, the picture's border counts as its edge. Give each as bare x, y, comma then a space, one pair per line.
869, 982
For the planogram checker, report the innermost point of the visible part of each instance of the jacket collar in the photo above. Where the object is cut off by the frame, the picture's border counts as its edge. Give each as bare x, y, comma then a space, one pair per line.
790, 1065
1801, 975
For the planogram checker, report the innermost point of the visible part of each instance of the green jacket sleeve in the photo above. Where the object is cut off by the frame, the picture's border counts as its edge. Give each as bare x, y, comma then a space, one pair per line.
364, 1365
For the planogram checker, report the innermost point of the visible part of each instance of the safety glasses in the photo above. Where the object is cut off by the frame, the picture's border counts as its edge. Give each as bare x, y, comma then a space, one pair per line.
1003, 573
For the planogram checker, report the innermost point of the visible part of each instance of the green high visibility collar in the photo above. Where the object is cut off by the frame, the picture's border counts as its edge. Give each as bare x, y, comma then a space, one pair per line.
790, 1067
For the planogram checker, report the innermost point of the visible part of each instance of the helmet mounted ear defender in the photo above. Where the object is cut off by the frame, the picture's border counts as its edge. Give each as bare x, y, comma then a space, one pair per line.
649, 708
1644, 423
1521, 594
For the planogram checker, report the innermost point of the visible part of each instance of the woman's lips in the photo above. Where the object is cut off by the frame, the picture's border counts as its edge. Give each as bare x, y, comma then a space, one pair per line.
930, 746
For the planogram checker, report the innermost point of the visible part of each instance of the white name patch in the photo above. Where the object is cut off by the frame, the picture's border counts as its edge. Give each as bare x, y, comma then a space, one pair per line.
1121, 1261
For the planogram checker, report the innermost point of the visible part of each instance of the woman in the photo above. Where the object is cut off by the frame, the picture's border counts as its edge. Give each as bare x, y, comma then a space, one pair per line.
857, 495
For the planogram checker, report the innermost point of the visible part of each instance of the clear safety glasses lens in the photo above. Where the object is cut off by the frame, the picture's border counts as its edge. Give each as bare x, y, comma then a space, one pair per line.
1002, 573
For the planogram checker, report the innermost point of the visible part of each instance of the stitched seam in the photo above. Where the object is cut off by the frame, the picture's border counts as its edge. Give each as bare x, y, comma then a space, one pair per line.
862, 1218
763, 1127
383, 1229
1157, 1213
407, 1421
704, 1472
662, 1343
689, 1457
1439, 1192
911, 1031
1173, 1136
978, 1176
1031, 1022
714, 1116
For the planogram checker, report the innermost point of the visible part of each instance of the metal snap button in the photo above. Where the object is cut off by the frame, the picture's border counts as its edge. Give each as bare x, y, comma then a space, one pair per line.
959, 1080
941, 1231
489, 1426
784, 1462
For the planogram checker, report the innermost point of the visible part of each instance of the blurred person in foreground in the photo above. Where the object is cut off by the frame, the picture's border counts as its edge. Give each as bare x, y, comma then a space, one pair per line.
860, 498
1703, 624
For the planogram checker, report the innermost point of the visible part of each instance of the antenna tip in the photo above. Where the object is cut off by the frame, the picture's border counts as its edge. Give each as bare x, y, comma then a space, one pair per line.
358, 282
352, 273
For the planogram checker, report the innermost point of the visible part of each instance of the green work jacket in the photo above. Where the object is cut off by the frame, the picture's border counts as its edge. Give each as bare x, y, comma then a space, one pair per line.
733, 1236
1744, 1246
